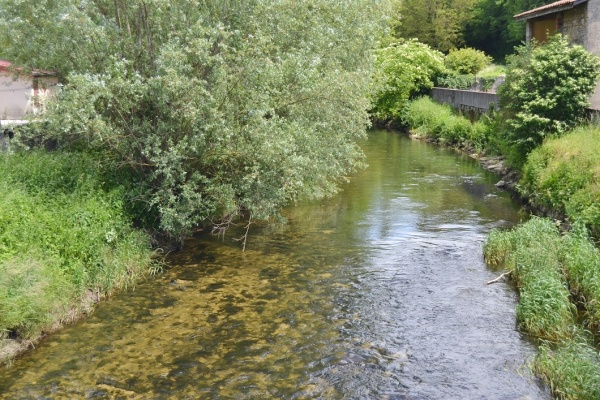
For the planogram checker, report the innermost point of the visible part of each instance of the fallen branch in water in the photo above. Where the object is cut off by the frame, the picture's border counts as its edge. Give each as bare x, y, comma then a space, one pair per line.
500, 277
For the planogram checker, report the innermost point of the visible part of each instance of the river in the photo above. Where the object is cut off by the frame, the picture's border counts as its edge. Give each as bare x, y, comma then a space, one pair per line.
377, 293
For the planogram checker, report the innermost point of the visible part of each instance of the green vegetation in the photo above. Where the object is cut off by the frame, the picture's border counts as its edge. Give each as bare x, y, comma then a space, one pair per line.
491, 26
531, 252
466, 61
437, 23
563, 176
403, 70
428, 119
492, 71
453, 81
63, 232
550, 271
571, 369
218, 110
545, 94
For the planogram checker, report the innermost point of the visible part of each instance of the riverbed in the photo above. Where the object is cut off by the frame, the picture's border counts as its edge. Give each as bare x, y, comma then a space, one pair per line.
377, 293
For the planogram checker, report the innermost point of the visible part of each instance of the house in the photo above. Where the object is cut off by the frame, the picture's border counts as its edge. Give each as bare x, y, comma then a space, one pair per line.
25, 95
579, 20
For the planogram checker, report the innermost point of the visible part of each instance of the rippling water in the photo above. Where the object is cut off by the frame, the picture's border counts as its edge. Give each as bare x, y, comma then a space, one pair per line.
378, 293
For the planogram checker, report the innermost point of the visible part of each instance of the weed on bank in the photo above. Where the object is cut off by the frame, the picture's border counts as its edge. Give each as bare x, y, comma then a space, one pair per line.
63, 235
555, 274
429, 119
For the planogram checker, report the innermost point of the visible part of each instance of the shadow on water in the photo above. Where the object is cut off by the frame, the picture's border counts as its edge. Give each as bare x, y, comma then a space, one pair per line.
378, 292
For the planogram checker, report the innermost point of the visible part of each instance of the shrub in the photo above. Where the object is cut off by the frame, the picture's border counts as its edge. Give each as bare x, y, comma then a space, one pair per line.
467, 61
403, 70
545, 93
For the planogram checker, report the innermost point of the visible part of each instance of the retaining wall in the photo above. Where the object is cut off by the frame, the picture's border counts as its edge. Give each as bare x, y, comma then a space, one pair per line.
466, 100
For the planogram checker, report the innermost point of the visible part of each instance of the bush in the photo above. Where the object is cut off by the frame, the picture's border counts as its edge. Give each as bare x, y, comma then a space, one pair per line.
467, 61
403, 70
545, 93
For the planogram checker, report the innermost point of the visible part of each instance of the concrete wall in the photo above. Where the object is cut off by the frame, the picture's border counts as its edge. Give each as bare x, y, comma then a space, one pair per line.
17, 98
465, 100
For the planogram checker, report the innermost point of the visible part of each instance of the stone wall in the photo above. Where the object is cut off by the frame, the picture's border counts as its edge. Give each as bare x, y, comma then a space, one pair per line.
592, 41
573, 23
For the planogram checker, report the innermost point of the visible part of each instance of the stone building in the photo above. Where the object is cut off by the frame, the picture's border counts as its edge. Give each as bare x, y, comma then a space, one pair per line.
579, 20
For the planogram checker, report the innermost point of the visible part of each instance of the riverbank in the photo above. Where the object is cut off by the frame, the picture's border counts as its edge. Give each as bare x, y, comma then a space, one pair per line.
66, 242
557, 273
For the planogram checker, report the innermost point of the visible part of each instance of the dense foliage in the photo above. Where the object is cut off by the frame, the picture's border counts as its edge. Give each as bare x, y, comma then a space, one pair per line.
215, 108
545, 93
404, 69
466, 61
63, 232
492, 27
437, 23
453, 81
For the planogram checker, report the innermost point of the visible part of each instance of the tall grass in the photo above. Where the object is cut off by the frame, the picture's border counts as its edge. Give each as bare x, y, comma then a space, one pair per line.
572, 369
531, 252
563, 175
581, 260
428, 119
553, 273
62, 232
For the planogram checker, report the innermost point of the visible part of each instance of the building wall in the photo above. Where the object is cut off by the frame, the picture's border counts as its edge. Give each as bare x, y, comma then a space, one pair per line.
17, 98
573, 24
592, 42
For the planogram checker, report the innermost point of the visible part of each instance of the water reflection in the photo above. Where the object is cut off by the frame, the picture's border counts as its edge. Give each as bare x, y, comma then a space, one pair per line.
377, 293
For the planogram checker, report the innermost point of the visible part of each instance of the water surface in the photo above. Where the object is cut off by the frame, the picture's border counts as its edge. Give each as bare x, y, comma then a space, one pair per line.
378, 293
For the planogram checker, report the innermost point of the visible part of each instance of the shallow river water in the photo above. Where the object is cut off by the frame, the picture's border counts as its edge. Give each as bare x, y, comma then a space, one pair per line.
378, 293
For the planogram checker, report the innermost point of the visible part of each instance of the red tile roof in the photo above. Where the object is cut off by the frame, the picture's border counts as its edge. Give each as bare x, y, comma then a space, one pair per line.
5, 66
548, 9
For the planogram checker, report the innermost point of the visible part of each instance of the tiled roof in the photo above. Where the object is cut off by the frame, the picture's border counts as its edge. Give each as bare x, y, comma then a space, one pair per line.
549, 8
5, 65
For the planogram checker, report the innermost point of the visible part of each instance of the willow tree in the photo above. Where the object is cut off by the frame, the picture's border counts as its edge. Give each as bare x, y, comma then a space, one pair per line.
215, 108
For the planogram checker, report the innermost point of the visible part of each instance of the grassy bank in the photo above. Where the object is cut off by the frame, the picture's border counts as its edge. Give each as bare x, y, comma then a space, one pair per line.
562, 177
556, 275
557, 271
439, 122
65, 242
